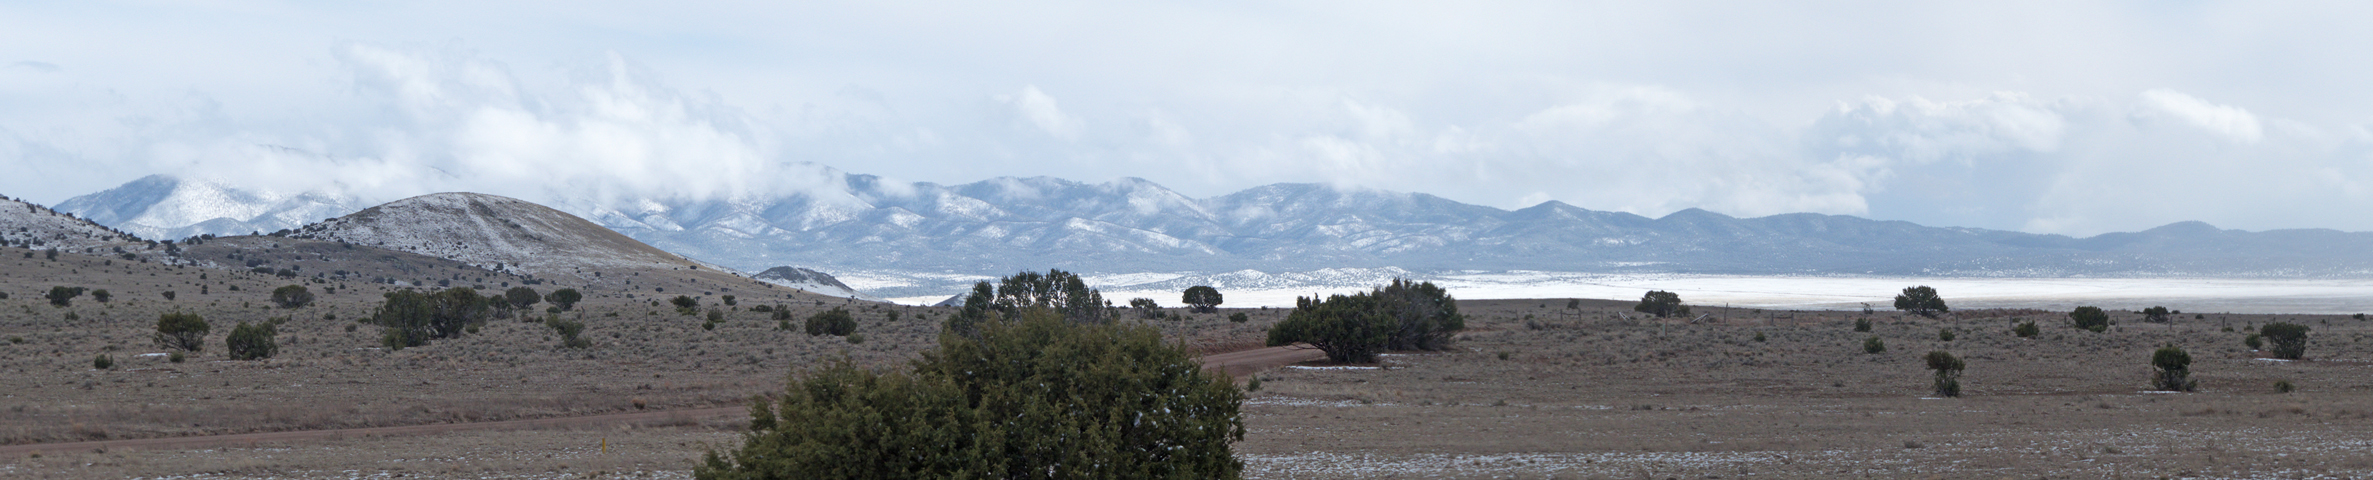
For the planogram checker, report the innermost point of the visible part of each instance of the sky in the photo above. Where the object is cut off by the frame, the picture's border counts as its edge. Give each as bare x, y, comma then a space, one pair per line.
2051, 117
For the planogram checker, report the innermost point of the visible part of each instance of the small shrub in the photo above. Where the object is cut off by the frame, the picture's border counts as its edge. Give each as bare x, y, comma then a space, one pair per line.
2284, 386
566, 299
1759, 336
571, 332
177, 357
1239, 317
685, 305
2089, 318
182, 331
716, 315
101, 295
1862, 324
103, 363
2026, 329
1948, 373
1944, 334
292, 296
252, 342
1503, 355
836, 321
2254, 341
729, 300
1253, 385
2173, 370
1873, 345
2289, 339
708, 325
856, 338
1661, 304
63, 296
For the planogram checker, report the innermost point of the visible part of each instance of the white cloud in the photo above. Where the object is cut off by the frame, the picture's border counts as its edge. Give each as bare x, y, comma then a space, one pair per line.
2232, 122
1040, 111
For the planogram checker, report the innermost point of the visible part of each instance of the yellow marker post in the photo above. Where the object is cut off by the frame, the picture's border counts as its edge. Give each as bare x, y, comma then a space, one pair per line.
605, 445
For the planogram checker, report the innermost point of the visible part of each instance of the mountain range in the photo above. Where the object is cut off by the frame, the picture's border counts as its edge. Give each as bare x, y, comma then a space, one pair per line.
997, 226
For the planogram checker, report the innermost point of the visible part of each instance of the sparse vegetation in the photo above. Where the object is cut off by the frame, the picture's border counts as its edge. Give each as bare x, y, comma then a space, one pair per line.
1944, 334
1921, 300
2254, 341
1862, 324
685, 305
103, 362
2089, 318
1661, 304
1239, 317
412, 318
1874, 345
1947, 369
570, 331
2289, 339
1145, 307
566, 299
2026, 329
2173, 370
101, 295
63, 296
2157, 314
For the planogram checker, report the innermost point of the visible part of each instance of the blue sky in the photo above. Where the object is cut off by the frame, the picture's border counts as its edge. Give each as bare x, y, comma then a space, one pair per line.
2054, 117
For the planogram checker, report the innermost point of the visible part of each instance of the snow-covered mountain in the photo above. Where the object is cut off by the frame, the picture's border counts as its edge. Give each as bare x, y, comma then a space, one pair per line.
863, 224
31, 226
163, 207
809, 281
496, 233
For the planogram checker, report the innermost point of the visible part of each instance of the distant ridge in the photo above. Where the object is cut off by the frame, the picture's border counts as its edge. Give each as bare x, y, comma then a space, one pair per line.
809, 280
1003, 225
32, 226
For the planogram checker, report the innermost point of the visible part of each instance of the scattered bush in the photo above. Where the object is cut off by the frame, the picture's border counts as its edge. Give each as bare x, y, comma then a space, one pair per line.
685, 305
2089, 318
182, 331
1920, 300
251, 342
1239, 317
521, 297
836, 321
2289, 339
103, 363
1253, 385
1874, 345
292, 296
2254, 341
856, 338
1862, 324
168, 295
2026, 329
2173, 370
1944, 334
413, 318
2284, 386
2157, 314
1948, 373
63, 296
1201, 299
570, 331
729, 300
716, 315
1661, 304
176, 357
1400, 316
101, 295
1146, 307
1759, 336
566, 299
1037, 395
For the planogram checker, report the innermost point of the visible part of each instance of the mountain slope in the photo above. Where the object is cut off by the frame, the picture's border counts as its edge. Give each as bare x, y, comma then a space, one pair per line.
496, 233
32, 226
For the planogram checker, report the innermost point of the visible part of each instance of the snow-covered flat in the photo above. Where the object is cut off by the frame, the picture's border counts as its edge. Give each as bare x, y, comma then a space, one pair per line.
1249, 288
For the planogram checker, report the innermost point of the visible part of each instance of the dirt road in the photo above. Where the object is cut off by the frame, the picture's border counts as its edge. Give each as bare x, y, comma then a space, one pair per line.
1236, 363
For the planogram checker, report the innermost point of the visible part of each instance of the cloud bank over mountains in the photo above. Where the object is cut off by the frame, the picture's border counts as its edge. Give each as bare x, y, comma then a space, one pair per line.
2052, 130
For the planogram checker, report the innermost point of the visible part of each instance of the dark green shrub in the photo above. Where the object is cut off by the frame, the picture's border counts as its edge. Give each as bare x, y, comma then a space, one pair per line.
1239, 317
2289, 339
182, 331
1350, 329
1146, 307
856, 338
292, 296
520, 297
2254, 341
685, 305
836, 321
252, 342
2026, 329
1948, 373
177, 357
1920, 300
1944, 334
716, 315
2157, 314
1253, 385
1759, 336
1862, 324
63, 296
103, 363
412, 318
2284, 386
2173, 370
1661, 304
570, 331
1036, 396
565, 298
1874, 345
729, 300
2089, 318
1201, 299
101, 295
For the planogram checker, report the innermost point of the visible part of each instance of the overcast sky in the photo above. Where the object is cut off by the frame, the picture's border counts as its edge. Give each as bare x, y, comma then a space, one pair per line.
2051, 117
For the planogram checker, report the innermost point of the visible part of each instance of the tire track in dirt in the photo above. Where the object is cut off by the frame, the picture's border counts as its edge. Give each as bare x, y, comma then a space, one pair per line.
1237, 364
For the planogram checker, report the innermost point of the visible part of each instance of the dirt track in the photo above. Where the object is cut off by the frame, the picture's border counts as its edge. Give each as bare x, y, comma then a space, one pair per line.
1236, 363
